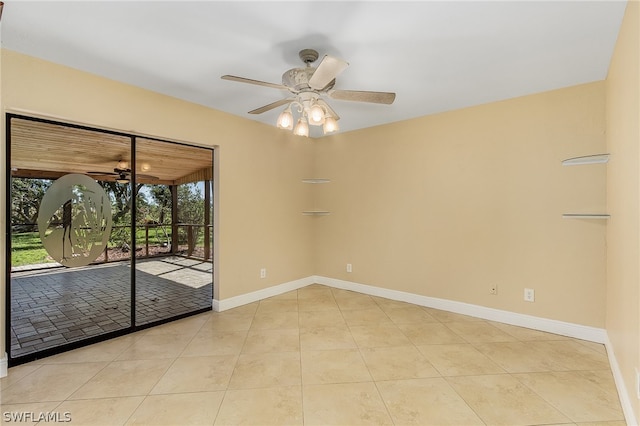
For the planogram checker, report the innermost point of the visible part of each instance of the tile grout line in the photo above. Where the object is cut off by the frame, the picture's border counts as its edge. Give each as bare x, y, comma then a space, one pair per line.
375, 382
300, 351
237, 358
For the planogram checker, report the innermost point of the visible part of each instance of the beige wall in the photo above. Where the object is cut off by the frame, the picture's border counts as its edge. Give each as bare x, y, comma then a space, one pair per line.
623, 199
261, 196
449, 204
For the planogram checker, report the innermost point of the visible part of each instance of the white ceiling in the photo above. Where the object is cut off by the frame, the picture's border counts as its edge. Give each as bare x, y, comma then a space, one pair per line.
436, 56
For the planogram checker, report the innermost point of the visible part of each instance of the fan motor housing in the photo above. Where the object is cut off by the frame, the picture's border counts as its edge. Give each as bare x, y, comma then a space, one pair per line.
297, 79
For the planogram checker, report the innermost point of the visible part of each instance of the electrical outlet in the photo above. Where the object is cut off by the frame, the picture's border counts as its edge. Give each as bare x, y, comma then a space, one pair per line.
529, 295
349, 268
493, 289
263, 273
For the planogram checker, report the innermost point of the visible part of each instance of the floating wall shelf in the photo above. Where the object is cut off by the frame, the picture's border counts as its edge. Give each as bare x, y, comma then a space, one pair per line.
316, 180
589, 159
316, 213
585, 216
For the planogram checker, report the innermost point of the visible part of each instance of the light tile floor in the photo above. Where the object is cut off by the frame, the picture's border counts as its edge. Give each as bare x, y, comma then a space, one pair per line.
322, 356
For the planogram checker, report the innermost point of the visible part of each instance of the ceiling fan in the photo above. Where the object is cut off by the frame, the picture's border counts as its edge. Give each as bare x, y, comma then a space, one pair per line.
123, 173
308, 85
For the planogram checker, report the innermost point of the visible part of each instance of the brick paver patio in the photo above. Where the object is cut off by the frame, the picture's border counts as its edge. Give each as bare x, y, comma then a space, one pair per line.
58, 306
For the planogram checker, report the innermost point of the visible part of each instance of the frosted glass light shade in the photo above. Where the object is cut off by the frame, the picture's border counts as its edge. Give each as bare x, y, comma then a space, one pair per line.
302, 128
285, 120
330, 125
316, 115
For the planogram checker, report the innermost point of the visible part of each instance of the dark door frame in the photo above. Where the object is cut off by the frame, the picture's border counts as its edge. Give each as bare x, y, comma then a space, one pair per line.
109, 335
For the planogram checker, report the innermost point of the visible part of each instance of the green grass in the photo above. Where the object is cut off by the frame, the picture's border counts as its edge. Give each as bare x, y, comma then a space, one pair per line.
27, 249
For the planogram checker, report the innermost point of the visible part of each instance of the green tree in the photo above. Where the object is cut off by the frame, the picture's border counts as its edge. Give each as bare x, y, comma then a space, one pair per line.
26, 195
161, 203
120, 200
191, 209
190, 204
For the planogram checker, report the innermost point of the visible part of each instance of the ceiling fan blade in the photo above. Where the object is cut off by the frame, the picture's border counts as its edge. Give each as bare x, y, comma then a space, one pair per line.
250, 81
149, 177
271, 106
363, 96
328, 69
329, 109
102, 173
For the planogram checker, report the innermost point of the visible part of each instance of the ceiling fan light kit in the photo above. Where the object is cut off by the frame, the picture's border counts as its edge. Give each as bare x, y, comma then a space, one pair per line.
308, 85
311, 112
122, 172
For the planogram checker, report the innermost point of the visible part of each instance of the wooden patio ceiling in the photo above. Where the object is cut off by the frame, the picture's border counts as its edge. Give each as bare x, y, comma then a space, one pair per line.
48, 151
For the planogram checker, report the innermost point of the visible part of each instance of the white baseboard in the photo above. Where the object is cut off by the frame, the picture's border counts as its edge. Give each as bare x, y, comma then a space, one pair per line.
625, 401
255, 296
562, 328
4, 365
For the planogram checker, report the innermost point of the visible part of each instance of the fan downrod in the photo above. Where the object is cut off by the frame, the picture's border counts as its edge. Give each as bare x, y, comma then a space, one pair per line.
308, 56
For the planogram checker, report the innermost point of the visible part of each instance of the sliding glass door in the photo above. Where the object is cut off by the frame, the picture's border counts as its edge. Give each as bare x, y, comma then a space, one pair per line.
174, 266
108, 232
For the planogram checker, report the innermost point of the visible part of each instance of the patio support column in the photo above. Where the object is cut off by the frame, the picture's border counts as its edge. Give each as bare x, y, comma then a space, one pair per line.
174, 218
207, 219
